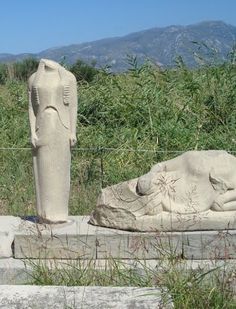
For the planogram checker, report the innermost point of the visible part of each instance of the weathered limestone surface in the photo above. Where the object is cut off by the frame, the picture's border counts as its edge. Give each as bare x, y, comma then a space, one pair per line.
43, 297
14, 271
194, 191
52, 115
80, 240
8, 225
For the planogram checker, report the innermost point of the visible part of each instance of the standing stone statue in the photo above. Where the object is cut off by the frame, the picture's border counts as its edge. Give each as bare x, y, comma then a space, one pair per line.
52, 115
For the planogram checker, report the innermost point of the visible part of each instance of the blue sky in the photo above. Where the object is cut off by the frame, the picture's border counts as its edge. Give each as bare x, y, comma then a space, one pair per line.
35, 25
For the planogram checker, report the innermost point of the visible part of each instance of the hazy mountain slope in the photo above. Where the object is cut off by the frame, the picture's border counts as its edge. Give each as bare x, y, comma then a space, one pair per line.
162, 45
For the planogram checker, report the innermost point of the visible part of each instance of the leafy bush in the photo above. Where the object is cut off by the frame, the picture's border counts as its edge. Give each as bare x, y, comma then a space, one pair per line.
23, 69
83, 71
3, 73
176, 109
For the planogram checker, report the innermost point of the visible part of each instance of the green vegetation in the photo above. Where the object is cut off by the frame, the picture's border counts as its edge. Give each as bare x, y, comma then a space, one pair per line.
189, 288
126, 123
83, 71
20, 70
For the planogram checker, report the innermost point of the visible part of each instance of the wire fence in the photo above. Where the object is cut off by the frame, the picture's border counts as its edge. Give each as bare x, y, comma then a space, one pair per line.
108, 149
92, 168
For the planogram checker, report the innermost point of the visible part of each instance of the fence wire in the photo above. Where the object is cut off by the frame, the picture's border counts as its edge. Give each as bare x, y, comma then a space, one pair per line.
92, 168
100, 149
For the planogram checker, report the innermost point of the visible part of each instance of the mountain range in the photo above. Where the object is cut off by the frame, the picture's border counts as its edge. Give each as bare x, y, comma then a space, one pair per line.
161, 45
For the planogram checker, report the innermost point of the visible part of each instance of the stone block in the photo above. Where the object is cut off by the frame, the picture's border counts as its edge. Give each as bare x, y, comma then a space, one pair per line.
80, 240
209, 245
14, 271
43, 297
8, 225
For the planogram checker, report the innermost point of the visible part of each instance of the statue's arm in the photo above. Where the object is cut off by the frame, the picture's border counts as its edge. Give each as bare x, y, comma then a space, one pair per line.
225, 201
73, 106
32, 116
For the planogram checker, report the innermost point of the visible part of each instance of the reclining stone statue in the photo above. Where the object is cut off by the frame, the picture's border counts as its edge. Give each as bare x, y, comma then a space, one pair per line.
194, 191
52, 115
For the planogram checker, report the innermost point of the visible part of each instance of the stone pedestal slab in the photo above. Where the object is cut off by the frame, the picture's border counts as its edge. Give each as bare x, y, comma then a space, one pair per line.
43, 297
80, 240
8, 226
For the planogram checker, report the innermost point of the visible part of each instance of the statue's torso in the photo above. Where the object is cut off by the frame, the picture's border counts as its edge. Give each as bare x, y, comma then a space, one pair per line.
49, 91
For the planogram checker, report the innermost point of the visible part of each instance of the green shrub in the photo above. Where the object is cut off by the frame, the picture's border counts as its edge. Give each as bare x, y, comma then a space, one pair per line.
23, 69
83, 71
3, 73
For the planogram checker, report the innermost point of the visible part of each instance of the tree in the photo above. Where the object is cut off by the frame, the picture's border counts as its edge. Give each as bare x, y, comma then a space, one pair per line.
23, 69
83, 71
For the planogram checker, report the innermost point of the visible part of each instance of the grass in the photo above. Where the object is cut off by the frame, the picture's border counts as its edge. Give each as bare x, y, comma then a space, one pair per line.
189, 288
126, 123
120, 116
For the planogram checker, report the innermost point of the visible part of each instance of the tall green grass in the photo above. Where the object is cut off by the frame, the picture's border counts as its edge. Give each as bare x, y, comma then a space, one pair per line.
189, 288
164, 111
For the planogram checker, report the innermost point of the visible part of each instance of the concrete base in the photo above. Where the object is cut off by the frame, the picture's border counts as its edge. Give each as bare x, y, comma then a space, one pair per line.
14, 271
8, 226
80, 240
43, 297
